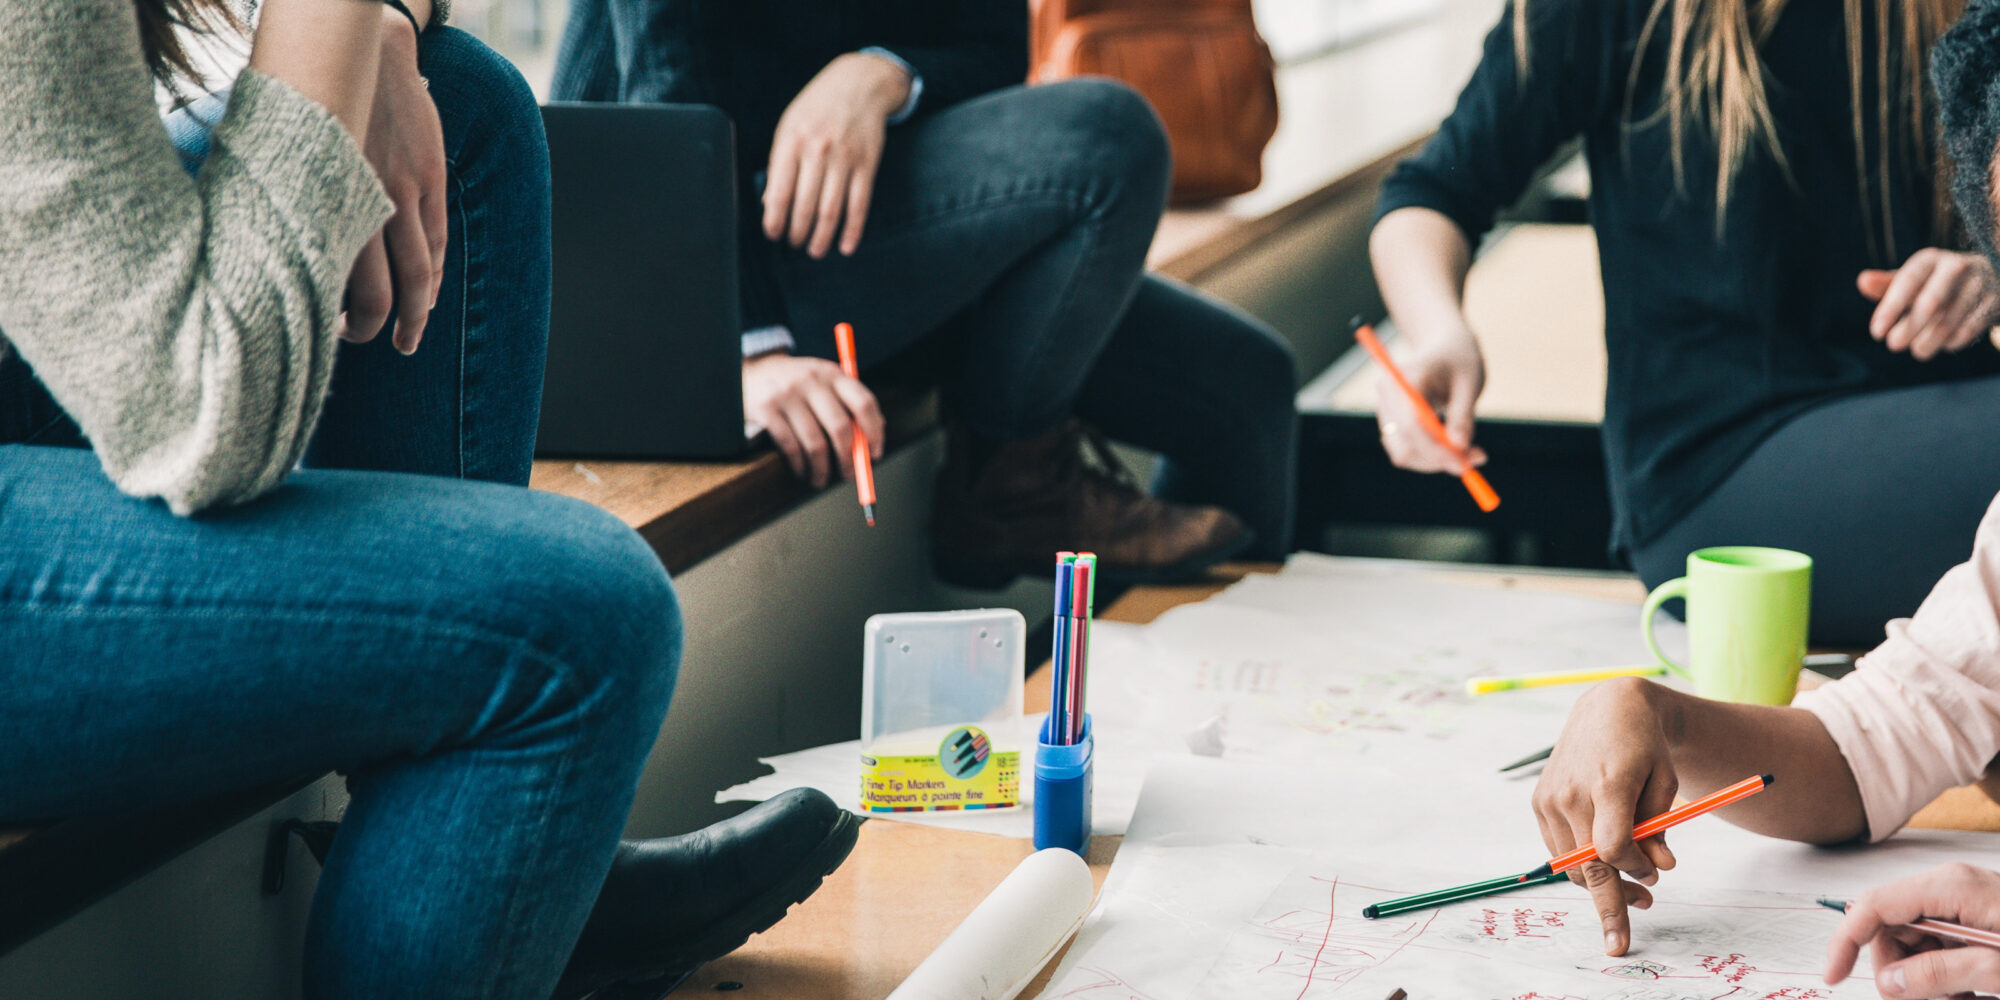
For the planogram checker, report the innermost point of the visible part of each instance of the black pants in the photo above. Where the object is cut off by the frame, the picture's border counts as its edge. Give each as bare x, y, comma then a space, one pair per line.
1883, 490
1015, 226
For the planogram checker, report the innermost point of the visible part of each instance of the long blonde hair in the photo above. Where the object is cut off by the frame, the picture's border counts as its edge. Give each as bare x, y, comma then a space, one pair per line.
1715, 84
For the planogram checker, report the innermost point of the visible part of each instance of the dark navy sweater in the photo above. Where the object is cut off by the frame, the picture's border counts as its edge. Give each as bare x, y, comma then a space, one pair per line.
1714, 339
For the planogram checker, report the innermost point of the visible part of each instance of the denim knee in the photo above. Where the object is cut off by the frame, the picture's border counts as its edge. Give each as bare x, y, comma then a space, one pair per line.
590, 592
447, 54
1111, 129
476, 86
1268, 362
1262, 367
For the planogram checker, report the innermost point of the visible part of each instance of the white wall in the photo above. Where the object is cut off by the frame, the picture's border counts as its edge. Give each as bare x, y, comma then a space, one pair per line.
1300, 29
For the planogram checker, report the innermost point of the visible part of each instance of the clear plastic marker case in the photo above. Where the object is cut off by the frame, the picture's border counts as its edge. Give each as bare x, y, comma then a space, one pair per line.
941, 722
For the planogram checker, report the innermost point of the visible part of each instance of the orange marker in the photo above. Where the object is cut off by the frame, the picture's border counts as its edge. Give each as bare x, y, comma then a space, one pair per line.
1659, 824
864, 469
1475, 484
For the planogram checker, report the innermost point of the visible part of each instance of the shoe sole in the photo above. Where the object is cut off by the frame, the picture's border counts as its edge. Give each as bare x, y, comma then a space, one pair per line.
976, 577
727, 935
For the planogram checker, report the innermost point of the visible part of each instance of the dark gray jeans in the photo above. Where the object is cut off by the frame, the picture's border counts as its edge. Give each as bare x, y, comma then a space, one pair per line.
1014, 226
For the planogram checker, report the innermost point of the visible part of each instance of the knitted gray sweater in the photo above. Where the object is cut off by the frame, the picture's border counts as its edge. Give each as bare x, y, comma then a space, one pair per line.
187, 324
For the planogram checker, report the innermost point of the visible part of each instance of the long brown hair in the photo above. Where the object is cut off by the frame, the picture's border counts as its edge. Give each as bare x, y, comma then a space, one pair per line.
1715, 84
164, 26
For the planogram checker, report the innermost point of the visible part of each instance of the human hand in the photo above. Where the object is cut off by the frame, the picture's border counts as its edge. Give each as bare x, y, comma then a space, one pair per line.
1938, 301
826, 151
811, 410
1909, 963
1612, 767
1450, 373
403, 266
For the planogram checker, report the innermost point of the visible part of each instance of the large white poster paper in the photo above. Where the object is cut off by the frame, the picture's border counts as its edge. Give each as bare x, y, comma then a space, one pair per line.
1233, 872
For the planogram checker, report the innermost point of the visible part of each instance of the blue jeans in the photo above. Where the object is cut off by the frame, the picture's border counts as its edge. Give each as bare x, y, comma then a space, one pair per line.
488, 665
1013, 228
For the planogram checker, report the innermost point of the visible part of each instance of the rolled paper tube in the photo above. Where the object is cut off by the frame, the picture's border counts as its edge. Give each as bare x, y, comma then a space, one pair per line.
999, 948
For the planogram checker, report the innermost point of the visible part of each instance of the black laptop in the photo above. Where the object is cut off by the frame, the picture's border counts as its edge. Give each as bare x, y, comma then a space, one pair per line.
645, 356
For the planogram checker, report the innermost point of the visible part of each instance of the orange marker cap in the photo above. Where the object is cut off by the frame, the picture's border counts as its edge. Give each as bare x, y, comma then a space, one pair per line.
864, 468
843, 343
1475, 484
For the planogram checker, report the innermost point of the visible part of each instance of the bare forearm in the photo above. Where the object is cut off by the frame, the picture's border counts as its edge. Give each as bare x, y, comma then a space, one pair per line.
1814, 798
328, 50
1421, 259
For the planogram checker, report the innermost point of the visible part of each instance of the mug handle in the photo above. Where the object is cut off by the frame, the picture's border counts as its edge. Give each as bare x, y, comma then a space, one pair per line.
1662, 594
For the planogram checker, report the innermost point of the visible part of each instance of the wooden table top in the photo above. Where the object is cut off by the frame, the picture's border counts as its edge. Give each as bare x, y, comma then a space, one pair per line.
906, 886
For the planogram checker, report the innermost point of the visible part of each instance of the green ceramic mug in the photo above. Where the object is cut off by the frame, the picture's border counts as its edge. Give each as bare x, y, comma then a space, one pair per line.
1746, 612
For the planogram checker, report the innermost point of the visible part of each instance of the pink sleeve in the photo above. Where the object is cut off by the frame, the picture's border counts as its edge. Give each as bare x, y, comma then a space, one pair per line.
1922, 712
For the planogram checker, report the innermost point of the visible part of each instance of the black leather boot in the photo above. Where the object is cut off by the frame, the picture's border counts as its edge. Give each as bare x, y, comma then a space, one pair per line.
672, 904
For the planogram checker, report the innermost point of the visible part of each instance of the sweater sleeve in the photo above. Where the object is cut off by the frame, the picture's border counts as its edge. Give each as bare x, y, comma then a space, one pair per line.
1508, 124
1922, 712
188, 324
988, 51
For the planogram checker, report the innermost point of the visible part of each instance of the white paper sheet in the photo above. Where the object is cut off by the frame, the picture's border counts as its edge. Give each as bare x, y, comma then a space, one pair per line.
1486, 821
1332, 659
1218, 850
1259, 922
1309, 939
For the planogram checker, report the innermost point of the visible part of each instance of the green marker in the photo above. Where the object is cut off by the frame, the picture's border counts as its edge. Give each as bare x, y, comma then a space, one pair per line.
1425, 900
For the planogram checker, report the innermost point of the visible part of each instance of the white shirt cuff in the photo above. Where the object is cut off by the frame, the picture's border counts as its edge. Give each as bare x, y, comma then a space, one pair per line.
766, 339
916, 83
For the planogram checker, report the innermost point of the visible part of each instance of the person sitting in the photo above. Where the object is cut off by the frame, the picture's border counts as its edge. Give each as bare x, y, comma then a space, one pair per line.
1856, 758
896, 175
1795, 338
184, 614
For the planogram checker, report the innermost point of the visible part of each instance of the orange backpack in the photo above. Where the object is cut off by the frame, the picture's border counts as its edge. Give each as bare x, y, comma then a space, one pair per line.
1201, 63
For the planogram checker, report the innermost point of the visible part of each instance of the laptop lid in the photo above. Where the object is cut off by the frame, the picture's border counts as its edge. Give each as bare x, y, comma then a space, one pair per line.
645, 357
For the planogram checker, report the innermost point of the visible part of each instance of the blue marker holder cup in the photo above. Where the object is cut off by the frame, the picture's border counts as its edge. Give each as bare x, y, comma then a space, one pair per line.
1062, 790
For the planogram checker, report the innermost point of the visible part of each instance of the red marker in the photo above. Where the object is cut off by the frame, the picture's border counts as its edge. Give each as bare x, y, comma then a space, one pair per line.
864, 469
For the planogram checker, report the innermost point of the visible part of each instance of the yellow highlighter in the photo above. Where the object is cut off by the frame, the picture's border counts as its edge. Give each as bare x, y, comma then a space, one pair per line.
1488, 685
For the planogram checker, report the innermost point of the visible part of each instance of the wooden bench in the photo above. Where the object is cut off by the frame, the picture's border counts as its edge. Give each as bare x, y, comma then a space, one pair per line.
1535, 300
50, 873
